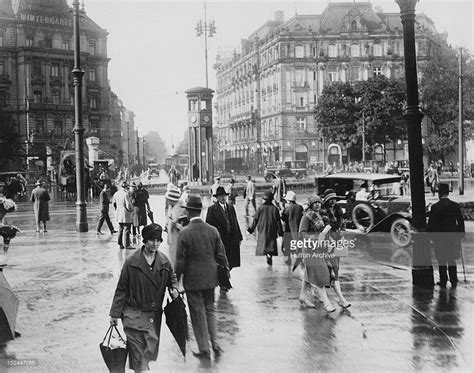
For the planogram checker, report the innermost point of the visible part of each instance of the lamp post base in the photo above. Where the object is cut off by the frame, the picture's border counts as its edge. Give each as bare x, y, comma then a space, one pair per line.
81, 217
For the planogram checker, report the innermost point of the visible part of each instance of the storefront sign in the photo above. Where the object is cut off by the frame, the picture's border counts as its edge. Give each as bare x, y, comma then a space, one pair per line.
46, 20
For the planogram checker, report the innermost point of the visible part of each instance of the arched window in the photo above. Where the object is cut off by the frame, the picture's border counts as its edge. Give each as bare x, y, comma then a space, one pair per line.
299, 51
332, 50
354, 25
355, 50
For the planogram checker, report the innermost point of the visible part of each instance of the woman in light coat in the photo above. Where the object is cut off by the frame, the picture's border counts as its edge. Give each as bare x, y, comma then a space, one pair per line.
40, 198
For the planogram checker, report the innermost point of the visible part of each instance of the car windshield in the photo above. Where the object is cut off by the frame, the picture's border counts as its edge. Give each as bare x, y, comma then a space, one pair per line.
388, 189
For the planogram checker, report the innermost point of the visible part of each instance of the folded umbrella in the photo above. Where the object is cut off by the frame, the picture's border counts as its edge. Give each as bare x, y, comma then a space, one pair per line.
150, 216
177, 321
8, 310
223, 277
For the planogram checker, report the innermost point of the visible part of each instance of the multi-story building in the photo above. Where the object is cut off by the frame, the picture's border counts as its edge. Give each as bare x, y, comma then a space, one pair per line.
266, 94
36, 86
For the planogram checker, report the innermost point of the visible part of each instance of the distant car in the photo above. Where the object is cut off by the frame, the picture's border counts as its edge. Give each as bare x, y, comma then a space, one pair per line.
297, 169
384, 211
154, 168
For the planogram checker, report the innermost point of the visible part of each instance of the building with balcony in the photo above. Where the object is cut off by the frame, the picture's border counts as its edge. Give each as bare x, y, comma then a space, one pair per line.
36, 86
266, 94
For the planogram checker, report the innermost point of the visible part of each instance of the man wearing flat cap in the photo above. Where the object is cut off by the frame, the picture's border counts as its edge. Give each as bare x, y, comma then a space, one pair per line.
139, 297
199, 251
222, 216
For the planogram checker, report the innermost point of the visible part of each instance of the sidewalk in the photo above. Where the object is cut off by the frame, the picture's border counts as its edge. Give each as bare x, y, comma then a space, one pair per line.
65, 282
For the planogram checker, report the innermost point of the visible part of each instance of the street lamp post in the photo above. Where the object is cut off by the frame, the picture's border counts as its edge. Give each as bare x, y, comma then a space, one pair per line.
460, 129
209, 29
422, 269
78, 73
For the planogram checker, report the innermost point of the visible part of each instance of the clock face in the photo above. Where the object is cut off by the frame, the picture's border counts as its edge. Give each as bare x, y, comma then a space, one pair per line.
193, 119
206, 118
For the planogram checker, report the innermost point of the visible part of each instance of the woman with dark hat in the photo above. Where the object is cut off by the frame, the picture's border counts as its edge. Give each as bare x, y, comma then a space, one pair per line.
268, 224
139, 297
333, 215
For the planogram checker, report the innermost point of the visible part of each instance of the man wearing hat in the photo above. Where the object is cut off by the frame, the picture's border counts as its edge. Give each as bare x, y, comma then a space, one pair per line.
123, 211
446, 224
217, 183
222, 216
279, 190
40, 198
139, 297
200, 250
291, 216
268, 224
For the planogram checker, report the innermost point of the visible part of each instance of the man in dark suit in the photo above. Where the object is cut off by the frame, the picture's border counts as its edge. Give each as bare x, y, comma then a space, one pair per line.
104, 201
222, 216
199, 251
447, 226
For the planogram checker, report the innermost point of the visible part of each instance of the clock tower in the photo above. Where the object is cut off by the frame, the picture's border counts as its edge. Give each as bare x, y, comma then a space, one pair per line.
200, 165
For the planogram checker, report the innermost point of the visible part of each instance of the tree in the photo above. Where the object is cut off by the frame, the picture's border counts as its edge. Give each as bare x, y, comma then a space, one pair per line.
155, 147
439, 102
336, 113
374, 107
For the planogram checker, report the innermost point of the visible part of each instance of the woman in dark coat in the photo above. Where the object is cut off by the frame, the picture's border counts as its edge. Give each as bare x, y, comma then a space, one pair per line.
268, 224
139, 297
40, 198
141, 205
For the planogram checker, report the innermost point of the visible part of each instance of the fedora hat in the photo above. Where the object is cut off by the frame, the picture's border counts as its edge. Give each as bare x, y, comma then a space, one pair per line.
220, 191
193, 202
328, 195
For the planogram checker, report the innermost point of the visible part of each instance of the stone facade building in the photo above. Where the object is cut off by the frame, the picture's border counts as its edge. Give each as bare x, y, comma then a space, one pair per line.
36, 86
266, 94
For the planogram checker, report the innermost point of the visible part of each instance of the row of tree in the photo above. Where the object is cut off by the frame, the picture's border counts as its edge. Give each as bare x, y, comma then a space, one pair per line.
377, 107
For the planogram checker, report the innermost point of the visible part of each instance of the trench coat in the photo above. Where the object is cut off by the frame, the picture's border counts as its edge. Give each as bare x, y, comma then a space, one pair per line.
268, 224
176, 220
230, 233
446, 227
138, 301
40, 198
123, 206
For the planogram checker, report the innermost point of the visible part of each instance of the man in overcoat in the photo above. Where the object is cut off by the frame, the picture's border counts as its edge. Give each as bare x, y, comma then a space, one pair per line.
291, 216
139, 297
40, 198
104, 202
249, 195
123, 209
222, 216
200, 250
268, 224
446, 225
279, 190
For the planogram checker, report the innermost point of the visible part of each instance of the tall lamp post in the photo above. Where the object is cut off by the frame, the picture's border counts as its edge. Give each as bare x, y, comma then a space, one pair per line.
209, 29
422, 269
78, 73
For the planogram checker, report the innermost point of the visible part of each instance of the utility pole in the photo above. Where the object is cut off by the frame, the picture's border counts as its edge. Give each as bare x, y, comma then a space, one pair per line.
461, 129
78, 73
422, 269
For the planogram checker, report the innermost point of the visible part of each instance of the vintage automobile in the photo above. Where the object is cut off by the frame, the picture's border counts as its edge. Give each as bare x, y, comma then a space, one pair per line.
385, 209
297, 169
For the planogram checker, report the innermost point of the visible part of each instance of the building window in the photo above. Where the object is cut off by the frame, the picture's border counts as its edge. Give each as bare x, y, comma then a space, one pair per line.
299, 78
377, 71
332, 75
66, 45
377, 50
3, 98
92, 75
354, 25
332, 50
313, 51
58, 127
2, 68
29, 41
37, 97
301, 103
48, 42
299, 51
301, 124
93, 102
40, 127
37, 68
355, 50
355, 73
55, 70
1, 40
56, 97
94, 127
277, 126
92, 48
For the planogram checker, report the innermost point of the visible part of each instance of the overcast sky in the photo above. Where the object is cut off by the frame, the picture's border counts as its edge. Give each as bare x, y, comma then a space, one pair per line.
156, 56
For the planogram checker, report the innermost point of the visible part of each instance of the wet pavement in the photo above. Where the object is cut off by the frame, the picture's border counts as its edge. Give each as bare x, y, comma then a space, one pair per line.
65, 282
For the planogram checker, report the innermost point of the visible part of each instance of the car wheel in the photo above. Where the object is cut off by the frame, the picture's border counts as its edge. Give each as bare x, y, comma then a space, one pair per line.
363, 217
401, 232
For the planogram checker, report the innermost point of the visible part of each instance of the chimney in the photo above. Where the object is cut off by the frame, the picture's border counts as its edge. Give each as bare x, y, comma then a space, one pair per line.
279, 16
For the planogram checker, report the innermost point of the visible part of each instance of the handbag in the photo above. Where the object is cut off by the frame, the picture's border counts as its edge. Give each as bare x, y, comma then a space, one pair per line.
114, 351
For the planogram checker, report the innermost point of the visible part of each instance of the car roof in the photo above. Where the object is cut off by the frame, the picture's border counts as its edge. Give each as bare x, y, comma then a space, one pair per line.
373, 177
